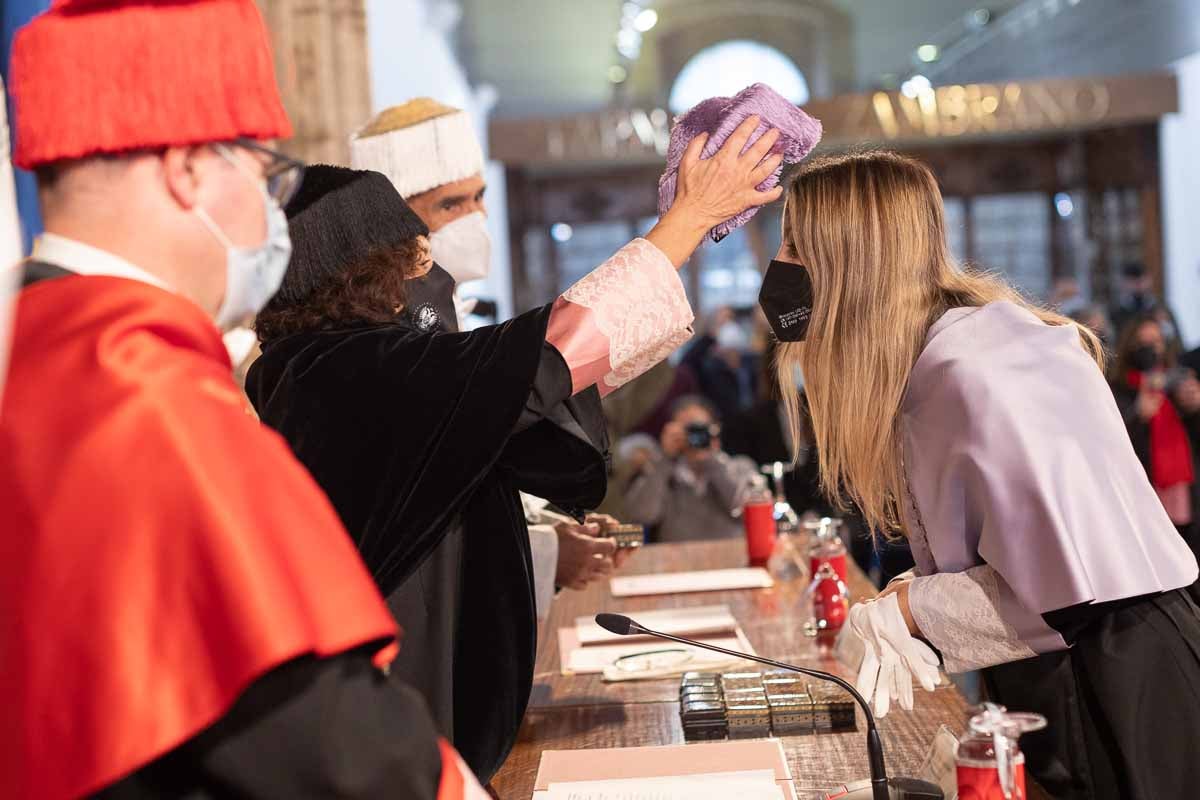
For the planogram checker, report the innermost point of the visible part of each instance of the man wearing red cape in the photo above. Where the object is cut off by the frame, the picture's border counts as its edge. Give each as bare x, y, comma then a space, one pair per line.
181, 612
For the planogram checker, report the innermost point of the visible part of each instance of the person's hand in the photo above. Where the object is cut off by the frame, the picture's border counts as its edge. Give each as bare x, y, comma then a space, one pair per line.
892, 657
606, 524
711, 190
900, 589
582, 558
638, 459
1187, 394
605, 521
673, 439
1148, 402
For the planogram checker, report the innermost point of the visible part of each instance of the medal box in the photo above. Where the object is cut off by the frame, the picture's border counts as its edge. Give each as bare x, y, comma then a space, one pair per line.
747, 705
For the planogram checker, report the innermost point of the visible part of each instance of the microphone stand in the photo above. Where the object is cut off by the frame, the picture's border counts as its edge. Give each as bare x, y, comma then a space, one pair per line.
879, 787
620, 624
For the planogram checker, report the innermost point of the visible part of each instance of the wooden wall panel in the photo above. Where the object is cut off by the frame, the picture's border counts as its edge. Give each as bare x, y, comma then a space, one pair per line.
322, 65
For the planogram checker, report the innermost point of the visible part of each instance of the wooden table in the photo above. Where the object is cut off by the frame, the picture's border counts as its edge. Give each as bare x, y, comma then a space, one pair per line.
576, 712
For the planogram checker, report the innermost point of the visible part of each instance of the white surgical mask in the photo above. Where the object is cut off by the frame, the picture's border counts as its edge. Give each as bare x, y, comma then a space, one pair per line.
463, 247
252, 274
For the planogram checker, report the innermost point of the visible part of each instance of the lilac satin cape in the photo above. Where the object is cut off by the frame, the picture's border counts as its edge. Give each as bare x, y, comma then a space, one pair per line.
1017, 458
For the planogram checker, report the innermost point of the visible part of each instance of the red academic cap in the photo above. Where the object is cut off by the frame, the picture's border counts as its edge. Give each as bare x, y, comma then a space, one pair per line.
109, 76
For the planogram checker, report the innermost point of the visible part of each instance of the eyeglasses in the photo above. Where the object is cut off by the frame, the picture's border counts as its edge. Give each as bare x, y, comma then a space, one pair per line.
653, 660
283, 174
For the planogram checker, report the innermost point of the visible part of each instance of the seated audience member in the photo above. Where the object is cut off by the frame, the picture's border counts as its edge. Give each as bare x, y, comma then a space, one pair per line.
642, 406
684, 484
423, 440
1160, 403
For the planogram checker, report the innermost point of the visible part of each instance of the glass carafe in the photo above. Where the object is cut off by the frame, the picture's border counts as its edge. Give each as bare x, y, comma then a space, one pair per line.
990, 764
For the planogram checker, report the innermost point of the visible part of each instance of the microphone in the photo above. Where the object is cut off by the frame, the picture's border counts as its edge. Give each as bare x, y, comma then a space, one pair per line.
879, 787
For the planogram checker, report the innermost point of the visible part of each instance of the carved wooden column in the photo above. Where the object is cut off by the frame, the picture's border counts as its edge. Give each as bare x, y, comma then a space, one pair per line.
323, 70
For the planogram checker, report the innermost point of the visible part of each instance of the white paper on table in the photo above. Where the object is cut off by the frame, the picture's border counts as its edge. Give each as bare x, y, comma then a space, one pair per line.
746, 785
693, 758
687, 622
711, 580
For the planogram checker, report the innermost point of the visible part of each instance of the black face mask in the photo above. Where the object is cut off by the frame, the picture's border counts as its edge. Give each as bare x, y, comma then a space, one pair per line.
429, 304
786, 297
1140, 301
1144, 358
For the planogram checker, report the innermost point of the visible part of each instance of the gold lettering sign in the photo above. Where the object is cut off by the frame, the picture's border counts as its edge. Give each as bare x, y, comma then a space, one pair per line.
950, 111
942, 113
611, 135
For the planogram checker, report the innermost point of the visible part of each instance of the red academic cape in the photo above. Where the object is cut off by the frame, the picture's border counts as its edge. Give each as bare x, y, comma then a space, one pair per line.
161, 549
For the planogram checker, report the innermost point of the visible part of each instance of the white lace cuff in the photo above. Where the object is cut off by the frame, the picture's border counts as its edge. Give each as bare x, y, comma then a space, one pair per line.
638, 304
959, 614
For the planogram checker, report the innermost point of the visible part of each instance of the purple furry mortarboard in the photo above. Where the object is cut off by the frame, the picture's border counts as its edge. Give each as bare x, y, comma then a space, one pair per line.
719, 117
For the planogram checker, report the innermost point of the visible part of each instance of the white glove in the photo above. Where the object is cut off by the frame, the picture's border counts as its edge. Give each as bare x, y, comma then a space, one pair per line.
850, 647
892, 657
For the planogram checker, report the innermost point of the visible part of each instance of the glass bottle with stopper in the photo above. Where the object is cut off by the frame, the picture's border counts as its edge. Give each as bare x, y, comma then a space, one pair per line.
786, 520
826, 601
826, 604
826, 547
990, 765
787, 562
758, 521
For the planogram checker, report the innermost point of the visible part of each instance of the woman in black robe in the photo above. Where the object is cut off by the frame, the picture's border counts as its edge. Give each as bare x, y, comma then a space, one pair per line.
423, 439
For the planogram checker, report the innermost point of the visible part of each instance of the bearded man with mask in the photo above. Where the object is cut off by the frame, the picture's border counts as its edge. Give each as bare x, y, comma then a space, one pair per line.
184, 615
430, 153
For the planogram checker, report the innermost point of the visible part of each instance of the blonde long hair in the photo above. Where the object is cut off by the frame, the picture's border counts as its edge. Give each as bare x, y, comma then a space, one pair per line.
870, 228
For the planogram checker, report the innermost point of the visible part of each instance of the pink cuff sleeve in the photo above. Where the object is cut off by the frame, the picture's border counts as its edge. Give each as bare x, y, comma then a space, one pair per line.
621, 319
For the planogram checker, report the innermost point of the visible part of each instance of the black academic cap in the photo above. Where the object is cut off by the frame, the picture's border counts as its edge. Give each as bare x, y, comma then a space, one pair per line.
336, 218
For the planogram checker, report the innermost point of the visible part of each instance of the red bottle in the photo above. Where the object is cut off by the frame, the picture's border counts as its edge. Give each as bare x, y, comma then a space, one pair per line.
827, 603
826, 547
990, 765
758, 520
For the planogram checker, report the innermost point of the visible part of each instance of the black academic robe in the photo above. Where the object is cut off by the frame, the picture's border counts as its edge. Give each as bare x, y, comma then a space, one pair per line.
422, 441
